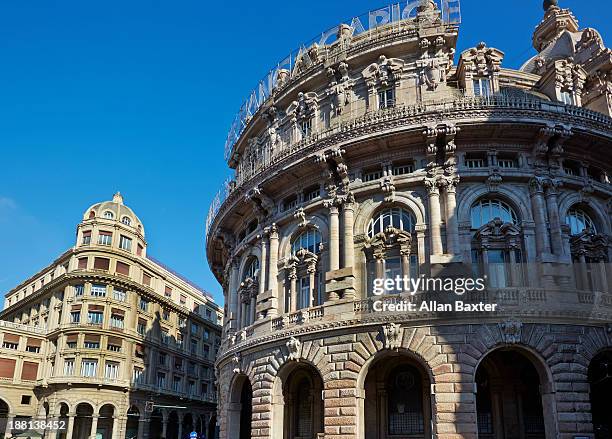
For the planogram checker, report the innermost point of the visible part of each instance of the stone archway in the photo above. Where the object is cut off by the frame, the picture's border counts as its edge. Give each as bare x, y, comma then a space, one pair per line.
240, 409
187, 424
106, 421
297, 402
62, 413
4, 412
510, 400
211, 431
172, 430
156, 426
83, 421
396, 398
133, 423
600, 382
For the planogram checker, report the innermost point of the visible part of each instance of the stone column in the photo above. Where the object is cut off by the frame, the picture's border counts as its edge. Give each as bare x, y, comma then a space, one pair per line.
434, 216
452, 228
180, 429
349, 241
603, 276
539, 216
165, 428
273, 270
263, 264
238, 298
233, 306
253, 308
94, 427
8, 433
118, 426
70, 427
293, 283
553, 218
334, 237
311, 281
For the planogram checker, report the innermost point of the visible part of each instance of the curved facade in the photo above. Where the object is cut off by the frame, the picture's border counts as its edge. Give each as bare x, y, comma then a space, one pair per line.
108, 341
386, 154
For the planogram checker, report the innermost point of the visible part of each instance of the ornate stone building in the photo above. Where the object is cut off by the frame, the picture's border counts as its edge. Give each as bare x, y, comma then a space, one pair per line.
385, 153
108, 341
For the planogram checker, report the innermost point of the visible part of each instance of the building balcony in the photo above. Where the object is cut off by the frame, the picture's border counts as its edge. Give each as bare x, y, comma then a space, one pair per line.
406, 117
525, 303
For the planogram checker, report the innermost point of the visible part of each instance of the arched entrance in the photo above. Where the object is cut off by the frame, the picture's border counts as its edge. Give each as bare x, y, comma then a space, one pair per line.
211, 432
188, 426
106, 421
63, 418
240, 409
4, 411
173, 426
509, 400
600, 381
82, 421
397, 401
156, 425
133, 422
298, 398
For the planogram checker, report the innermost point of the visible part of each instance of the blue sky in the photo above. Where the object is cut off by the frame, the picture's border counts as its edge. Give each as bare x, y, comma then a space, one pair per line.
137, 96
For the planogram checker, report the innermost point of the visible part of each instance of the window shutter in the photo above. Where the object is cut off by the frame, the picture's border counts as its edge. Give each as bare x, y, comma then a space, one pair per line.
29, 371
123, 268
7, 368
11, 338
34, 342
101, 263
82, 263
146, 279
96, 308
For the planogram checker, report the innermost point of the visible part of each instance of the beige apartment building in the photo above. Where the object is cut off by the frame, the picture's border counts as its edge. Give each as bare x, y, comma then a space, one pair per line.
381, 151
108, 342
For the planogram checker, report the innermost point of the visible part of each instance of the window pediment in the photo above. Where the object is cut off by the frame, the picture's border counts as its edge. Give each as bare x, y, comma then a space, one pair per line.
388, 239
594, 245
497, 231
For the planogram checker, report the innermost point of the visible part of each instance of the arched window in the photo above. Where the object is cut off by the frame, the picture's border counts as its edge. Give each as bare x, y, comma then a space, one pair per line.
497, 243
578, 221
251, 269
486, 210
126, 220
108, 214
391, 249
304, 272
394, 217
309, 240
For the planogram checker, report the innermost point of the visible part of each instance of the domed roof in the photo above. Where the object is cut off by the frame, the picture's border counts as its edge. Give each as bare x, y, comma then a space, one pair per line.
114, 210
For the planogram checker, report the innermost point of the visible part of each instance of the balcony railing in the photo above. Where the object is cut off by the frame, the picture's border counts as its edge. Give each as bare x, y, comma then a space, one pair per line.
24, 328
265, 157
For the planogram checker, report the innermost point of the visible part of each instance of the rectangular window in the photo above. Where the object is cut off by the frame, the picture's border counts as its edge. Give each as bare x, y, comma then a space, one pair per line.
95, 317
116, 321
111, 370
386, 98
290, 202
195, 329
119, 294
146, 279
372, 175
194, 346
311, 194
79, 290
206, 334
141, 328
105, 238
139, 250
98, 290
191, 387
34, 349
89, 368
209, 314
165, 336
125, 243
10, 345
168, 291
165, 314
75, 317
69, 367
204, 388
138, 376
507, 163
143, 304
101, 263
177, 384
566, 98
183, 300
304, 292
161, 380
161, 359
482, 87
86, 237
91, 344
71, 344
178, 364
82, 265
122, 268
306, 127
403, 169
113, 348
472, 161
206, 351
